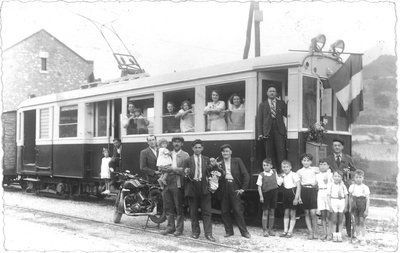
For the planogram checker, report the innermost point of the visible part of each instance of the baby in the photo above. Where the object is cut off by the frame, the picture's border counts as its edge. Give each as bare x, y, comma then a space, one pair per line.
164, 159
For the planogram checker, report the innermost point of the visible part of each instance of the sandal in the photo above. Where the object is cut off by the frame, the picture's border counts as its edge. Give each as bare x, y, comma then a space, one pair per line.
284, 234
289, 235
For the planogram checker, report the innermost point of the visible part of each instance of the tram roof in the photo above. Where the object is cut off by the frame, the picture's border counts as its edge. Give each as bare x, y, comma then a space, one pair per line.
124, 84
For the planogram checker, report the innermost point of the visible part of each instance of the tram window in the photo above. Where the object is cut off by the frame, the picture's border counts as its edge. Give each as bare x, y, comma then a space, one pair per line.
309, 101
327, 108
140, 118
172, 104
342, 123
68, 121
100, 119
44, 123
231, 115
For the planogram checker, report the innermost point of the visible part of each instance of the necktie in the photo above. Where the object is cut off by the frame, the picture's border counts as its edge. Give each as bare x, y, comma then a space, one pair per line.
338, 160
273, 108
198, 169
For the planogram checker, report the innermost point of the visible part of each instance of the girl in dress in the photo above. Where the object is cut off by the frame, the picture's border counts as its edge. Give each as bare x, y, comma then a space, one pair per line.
236, 113
164, 159
187, 117
105, 170
215, 112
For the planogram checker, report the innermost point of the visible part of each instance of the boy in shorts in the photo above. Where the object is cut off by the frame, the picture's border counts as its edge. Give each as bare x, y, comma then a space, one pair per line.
267, 182
291, 196
324, 177
359, 204
309, 193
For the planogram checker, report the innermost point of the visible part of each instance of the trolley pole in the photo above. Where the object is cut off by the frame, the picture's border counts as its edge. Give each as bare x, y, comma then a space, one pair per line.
248, 32
258, 17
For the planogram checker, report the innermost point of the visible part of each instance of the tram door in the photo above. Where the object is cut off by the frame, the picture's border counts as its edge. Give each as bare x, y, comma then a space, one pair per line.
29, 148
116, 118
279, 79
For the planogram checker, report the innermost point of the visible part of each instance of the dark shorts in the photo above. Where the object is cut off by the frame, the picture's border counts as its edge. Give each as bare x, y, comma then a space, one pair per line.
270, 199
309, 197
359, 205
288, 197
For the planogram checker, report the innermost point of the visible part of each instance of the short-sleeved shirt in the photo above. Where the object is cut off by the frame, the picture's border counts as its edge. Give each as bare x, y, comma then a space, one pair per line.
359, 190
259, 179
308, 176
290, 180
321, 179
335, 189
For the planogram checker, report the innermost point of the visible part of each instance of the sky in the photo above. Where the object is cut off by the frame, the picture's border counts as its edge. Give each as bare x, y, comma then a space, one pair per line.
174, 36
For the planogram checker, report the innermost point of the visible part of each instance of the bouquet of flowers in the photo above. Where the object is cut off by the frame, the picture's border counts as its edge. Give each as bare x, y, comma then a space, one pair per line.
316, 132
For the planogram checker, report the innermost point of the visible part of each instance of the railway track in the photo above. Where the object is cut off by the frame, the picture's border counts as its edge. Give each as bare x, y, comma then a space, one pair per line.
136, 228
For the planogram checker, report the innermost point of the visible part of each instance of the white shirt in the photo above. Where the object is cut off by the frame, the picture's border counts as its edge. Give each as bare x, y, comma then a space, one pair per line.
228, 169
197, 161
333, 190
270, 102
174, 165
279, 180
359, 190
308, 175
321, 179
154, 151
290, 180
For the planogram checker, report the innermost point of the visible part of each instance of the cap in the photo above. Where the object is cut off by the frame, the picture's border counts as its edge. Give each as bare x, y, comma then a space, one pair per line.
197, 141
338, 140
177, 138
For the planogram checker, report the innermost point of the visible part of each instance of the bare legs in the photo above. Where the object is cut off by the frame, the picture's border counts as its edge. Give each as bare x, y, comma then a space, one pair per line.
311, 221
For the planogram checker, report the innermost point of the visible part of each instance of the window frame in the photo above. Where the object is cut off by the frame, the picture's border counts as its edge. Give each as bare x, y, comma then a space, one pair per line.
68, 124
96, 118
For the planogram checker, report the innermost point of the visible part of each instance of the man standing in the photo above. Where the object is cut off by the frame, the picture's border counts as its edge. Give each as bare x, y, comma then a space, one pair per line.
338, 161
173, 191
116, 158
271, 127
232, 187
196, 189
148, 160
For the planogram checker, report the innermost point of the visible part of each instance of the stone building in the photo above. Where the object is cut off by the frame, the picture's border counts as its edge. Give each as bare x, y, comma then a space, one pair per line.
37, 65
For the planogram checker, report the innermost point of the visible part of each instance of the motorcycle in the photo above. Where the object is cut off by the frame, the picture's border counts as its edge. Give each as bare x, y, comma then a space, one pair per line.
138, 197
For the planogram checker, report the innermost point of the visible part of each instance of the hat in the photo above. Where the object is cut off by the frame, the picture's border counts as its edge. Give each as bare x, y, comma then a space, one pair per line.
225, 146
197, 141
177, 138
338, 140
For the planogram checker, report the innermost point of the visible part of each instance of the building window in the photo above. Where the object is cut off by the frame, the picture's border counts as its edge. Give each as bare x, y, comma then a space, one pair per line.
43, 64
225, 106
68, 121
140, 117
175, 119
44, 123
100, 119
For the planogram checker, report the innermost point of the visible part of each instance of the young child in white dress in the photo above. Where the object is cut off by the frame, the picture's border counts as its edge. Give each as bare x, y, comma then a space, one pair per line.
105, 170
164, 159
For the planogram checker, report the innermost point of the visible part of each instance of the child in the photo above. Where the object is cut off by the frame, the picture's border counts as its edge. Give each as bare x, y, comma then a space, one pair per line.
309, 193
214, 172
105, 170
164, 159
359, 203
267, 182
291, 195
337, 197
324, 177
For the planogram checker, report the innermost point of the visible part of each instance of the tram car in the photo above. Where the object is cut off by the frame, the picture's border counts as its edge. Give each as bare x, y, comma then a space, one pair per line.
60, 137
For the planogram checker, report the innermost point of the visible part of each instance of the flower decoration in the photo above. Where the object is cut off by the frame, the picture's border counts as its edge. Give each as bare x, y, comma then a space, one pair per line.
316, 132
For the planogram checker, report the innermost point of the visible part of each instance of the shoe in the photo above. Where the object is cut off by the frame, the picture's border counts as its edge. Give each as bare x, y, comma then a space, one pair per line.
323, 237
289, 235
284, 234
177, 233
265, 233
310, 236
246, 235
339, 238
210, 238
271, 232
228, 235
195, 236
106, 192
167, 231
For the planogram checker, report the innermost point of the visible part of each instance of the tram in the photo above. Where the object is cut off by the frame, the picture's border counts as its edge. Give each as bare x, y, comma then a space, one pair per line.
60, 137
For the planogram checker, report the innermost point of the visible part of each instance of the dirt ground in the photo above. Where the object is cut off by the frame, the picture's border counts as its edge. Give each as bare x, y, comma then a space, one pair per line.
381, 227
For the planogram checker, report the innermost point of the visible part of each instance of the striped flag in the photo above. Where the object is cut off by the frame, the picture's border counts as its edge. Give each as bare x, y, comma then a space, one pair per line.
348, 87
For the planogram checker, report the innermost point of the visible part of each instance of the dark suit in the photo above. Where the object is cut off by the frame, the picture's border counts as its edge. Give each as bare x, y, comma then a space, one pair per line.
230, 200
345, 162
148, 164
198, 195
116, 160
173, 194
274, 131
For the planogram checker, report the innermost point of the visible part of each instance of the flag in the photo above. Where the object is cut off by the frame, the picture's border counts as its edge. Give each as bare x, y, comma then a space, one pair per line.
348, 87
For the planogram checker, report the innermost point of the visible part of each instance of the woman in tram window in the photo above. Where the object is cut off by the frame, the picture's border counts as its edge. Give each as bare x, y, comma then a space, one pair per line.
236, 113
187, 117
215, 112
171, 124
140, 122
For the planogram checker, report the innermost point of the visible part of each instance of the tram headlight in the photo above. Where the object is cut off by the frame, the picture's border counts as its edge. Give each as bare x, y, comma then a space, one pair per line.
337, 48
317, 43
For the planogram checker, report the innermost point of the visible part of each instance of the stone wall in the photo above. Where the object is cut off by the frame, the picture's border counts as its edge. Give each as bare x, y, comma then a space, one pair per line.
9, 144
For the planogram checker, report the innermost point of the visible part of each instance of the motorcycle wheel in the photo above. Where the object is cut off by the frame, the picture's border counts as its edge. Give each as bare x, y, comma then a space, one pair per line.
160, 217
117, 216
